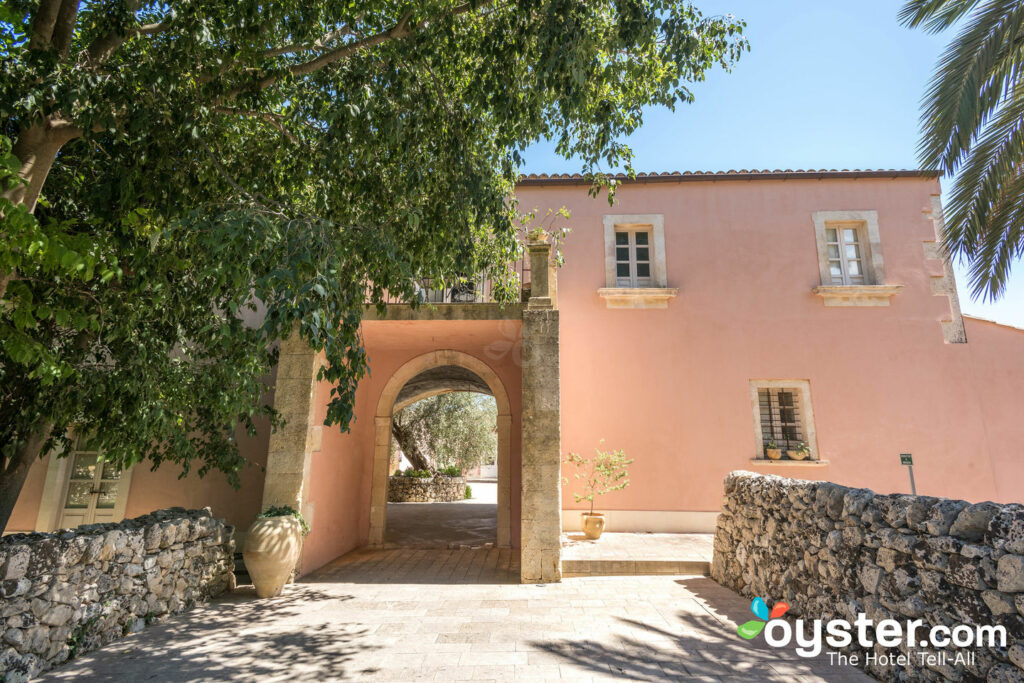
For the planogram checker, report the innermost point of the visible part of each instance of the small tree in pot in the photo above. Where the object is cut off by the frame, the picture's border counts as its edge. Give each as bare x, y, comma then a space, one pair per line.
603, 473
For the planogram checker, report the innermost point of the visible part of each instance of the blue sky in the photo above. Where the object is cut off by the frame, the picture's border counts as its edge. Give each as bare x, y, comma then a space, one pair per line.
826, 84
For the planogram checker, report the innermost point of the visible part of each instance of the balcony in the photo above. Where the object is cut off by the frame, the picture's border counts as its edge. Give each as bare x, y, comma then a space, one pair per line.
474, 298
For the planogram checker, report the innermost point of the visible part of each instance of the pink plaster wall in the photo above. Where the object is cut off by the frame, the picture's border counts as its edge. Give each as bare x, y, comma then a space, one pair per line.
341, 471
671, 387
155, 489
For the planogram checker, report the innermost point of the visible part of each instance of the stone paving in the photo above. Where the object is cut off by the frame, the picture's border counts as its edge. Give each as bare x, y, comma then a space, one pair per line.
449, 615
471, 523
625, 554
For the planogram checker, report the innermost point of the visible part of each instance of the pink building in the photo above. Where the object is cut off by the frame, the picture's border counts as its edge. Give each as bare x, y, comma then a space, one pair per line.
697, 323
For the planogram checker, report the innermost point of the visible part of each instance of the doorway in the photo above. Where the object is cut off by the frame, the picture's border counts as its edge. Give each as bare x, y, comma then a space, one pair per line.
432, 374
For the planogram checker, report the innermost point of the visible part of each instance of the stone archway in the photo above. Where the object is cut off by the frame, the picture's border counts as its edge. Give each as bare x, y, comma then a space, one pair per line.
382, 436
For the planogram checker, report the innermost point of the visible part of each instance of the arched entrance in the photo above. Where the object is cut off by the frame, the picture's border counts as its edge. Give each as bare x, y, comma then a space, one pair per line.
393, 395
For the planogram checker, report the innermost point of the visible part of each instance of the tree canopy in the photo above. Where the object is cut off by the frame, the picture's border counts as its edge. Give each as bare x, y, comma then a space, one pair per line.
457, 429
190, 182
973, 123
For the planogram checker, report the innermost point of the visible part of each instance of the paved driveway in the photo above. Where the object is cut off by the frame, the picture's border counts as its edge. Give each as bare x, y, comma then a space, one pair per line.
442, 615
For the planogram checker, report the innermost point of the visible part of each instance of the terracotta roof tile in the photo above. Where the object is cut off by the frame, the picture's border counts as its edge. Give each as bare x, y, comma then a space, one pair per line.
743, 174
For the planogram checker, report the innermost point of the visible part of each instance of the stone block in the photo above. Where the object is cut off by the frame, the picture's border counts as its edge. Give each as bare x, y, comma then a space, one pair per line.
943, 513
972, 522
1010, 573
999, 603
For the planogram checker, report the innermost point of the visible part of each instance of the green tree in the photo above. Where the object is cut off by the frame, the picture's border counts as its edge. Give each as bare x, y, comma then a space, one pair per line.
450, 430
190, 182
973, 123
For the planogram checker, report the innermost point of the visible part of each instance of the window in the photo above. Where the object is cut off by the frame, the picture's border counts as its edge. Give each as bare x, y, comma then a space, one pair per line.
783, 416
632, 258
634, 262
845, 253
850, 259
780, 418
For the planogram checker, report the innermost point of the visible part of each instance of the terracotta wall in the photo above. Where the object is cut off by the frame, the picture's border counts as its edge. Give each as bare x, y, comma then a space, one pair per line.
671, 387
341, 471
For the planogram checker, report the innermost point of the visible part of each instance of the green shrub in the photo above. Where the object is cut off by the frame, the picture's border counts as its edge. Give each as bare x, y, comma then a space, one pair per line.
469, 491
285, 511
417, 474
450, 471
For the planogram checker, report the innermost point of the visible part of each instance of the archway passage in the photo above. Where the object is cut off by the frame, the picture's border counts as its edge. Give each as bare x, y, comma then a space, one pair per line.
451, 432
470, 522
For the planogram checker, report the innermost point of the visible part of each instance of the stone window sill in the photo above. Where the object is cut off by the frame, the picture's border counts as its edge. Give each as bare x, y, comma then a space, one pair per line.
637, 297
790, 463
857, 295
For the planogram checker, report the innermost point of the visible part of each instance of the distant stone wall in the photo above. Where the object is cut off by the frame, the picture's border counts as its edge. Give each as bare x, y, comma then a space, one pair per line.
71, 591
832, 552
439, 489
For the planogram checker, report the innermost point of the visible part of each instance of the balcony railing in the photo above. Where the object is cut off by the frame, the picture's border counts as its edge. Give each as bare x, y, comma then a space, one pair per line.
475, 290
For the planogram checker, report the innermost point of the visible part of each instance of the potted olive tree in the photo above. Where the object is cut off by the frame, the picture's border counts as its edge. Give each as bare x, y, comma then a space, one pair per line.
603, 473
272, 547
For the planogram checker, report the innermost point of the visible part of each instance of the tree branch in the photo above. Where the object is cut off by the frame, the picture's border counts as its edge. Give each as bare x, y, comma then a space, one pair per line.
64, 28
104, 46
401, 29
271, 118
43, 23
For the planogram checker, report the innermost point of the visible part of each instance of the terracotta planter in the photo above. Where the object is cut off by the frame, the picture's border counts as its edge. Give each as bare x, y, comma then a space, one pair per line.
773, 453
797, 455
272, 547
593, 524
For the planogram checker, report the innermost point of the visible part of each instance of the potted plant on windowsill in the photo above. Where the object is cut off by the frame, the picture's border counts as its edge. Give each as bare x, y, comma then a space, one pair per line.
603, 473
772, 451
802, 452
272, 547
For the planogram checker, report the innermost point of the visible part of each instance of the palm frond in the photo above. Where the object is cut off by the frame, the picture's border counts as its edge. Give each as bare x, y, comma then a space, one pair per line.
972, 77
934, 15
973, 125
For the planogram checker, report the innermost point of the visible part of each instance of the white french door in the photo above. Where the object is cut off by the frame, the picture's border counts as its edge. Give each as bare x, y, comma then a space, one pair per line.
96, 491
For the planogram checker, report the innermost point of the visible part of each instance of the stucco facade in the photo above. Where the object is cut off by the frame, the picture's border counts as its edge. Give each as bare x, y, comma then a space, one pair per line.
671, 362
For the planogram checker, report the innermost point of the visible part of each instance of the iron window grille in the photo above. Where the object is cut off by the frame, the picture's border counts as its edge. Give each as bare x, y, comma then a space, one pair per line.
781, 418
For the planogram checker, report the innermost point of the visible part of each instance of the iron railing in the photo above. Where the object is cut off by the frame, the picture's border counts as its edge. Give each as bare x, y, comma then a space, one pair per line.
473, 290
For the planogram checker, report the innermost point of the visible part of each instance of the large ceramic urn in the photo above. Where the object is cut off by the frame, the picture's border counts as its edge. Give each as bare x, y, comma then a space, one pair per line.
272, 548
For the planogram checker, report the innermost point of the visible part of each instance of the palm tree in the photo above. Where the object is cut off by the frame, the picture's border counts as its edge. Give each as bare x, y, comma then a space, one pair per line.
973, 121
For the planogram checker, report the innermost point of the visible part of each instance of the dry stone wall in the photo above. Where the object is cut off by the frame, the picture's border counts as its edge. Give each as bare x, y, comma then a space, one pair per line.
438, 489
832, 552
67, 592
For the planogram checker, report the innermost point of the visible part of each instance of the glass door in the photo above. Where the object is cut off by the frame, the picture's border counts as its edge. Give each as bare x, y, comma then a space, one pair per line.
92, 492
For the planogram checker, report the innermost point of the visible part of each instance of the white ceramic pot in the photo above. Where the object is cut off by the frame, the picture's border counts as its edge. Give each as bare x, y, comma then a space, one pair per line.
272, 547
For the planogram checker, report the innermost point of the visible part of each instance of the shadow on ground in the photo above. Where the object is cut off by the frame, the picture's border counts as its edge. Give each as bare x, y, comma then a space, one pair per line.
441, 525
701, 643
235, 637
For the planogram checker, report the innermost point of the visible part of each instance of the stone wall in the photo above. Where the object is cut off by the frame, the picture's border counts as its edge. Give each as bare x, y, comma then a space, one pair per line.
439, 489
832, 552
71, 591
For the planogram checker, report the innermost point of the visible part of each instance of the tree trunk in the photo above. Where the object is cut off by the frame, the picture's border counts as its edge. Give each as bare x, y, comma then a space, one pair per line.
36, 149
411, 443
12, 478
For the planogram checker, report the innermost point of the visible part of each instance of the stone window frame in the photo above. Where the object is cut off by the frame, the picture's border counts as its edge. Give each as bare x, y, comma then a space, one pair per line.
876, 291
803, 389
658, 294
